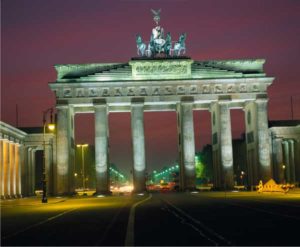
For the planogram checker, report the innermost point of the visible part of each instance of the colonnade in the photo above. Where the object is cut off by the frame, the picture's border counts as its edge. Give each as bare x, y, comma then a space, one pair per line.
285, 156
221, 135
18, 160
11, 159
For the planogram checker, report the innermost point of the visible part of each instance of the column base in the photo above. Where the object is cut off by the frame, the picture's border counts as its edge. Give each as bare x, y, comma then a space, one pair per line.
136, 192
188, 189
102, 193
64, 194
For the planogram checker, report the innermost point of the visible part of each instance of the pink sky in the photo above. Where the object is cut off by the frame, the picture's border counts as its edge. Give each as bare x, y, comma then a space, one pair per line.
38, 34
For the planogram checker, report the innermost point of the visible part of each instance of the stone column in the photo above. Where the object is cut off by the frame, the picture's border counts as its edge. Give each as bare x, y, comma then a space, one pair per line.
264, 161
287, 175
186, 124
12, 169
63, 158
251, 143
20, 152
292, 160
17, 168
216, 157
278, 160
138, 143
26, 172
48, 160
101, 146
1, 170
7, 170
32, 164
297, 158
226, 146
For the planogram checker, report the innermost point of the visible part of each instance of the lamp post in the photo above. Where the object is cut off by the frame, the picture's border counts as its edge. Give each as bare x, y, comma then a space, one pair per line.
51, 126
82, 162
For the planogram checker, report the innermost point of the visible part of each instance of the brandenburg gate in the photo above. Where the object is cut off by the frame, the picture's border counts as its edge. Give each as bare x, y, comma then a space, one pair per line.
171, 84
168, 82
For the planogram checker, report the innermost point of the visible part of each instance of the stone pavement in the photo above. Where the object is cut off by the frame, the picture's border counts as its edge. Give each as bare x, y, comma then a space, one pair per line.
31, 201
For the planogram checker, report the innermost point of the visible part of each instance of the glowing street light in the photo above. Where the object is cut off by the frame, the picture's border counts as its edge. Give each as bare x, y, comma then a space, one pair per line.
51, 126
82, 146
284, 176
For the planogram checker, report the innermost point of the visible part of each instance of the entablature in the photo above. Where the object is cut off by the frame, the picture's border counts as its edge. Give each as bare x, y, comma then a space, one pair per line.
159, 88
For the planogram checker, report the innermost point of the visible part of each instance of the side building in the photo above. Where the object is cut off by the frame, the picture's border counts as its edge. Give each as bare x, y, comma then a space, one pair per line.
18, 160
285, 150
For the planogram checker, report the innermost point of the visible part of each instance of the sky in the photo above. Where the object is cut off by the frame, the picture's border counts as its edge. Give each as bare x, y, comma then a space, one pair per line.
36, 34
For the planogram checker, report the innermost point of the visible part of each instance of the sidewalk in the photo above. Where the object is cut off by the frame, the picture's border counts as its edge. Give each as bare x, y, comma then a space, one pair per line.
31, 201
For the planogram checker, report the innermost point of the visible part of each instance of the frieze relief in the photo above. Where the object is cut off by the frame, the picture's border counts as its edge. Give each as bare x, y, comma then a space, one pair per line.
162, 68
157, 90
67, 93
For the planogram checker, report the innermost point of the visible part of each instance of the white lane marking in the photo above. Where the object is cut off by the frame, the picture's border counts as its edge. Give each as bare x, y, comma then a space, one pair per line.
184, 222
129, 241
38, 224
211, 231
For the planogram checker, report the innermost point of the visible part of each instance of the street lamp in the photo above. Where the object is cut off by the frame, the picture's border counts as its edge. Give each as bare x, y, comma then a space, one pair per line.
51, 126
82, 162
284, 177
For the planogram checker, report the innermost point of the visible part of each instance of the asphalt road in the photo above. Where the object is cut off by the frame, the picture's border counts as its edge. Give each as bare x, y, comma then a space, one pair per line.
173, 219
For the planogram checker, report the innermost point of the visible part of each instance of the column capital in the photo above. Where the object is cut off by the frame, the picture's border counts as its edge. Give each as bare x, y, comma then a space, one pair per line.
223, 102
100, 106
137, 101
187, 100
62, 107
261, 101
212, 104
62, 103
99, 102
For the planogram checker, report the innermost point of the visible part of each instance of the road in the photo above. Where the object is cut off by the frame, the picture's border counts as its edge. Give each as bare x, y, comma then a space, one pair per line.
158, 219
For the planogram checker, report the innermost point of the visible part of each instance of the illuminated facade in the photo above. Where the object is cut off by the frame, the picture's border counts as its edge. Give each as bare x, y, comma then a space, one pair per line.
18, 163
285, 150
164, 84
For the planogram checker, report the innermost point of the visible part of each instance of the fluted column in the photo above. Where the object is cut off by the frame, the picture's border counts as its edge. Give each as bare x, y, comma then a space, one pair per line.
287, 175
278, 160
101, 146
13, 170
17, 168
291, 144
26, 172
2, 157
187, 168
216, 157
29, 174
63, 158
226, 145
7, 170
138, 141
20, 155
48, 166
264, 161
32, 165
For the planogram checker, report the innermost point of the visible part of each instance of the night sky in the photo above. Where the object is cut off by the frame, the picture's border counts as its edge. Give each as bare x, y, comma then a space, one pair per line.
36, 34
